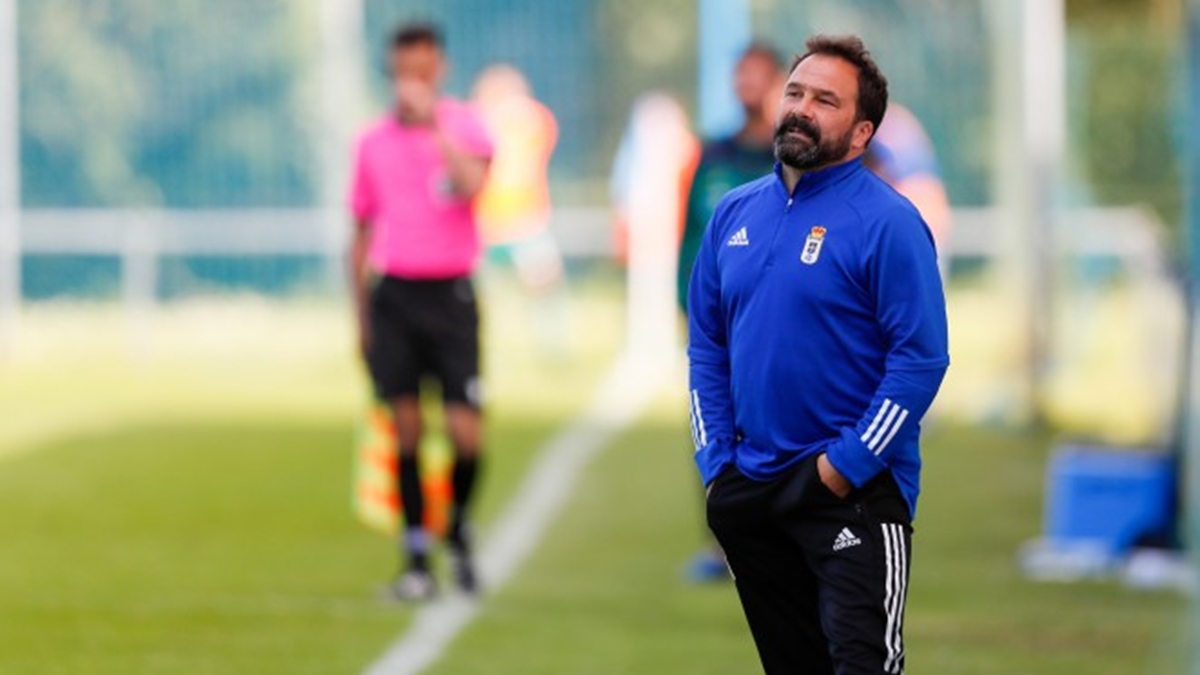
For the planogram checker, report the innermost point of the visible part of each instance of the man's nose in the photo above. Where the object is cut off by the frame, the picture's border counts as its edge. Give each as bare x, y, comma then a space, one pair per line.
804, 109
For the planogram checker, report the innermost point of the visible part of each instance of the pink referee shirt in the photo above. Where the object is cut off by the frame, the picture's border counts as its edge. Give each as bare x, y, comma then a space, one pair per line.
401, 187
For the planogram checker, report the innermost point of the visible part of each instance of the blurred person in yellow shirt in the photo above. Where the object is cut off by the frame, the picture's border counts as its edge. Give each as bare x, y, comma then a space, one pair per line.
513, 209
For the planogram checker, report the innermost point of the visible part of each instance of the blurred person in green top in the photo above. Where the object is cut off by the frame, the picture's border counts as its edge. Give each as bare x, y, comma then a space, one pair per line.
728, 162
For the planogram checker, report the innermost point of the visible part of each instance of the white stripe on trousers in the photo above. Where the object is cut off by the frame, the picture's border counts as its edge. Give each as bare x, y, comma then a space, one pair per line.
895, 595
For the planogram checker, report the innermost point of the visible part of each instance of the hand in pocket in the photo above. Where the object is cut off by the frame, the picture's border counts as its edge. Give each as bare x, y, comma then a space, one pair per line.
832, 478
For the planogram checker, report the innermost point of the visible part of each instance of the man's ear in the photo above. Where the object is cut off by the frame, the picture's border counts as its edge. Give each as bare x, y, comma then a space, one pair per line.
863, 130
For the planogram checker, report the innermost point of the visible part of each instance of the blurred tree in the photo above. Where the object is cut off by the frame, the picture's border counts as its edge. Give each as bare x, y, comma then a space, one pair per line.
933, 53
587, 60
183, 104
1124, 71
651, 46
209, 102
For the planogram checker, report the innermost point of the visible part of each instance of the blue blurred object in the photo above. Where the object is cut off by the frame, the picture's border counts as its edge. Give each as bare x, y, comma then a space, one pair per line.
707, 566
725, 31
1114, 499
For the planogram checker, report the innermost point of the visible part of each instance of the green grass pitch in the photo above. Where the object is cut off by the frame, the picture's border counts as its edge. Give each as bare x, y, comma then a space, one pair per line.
180, 522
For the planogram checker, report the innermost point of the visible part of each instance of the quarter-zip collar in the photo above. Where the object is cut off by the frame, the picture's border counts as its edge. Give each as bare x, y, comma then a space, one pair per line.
814, 182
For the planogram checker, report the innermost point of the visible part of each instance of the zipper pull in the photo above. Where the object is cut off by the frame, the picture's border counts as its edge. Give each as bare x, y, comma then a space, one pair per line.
789, 204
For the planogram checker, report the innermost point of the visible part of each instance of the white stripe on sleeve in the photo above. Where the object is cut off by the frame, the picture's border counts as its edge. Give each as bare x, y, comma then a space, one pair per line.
702, 435
883, 428
895, 427
692, 419
878, 417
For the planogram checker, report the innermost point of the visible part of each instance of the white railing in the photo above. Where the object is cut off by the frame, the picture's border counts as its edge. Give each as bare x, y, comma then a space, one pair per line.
1133, 234
140, 237
581, 232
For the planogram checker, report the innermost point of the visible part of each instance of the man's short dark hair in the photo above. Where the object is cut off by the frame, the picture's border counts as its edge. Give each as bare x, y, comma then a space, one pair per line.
763, 50
416, 33
872, 85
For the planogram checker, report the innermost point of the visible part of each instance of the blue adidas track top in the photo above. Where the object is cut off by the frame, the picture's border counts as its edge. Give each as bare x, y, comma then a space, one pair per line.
816, 324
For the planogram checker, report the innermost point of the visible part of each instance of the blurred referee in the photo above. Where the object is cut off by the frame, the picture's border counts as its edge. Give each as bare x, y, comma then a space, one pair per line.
817, 342
415, 247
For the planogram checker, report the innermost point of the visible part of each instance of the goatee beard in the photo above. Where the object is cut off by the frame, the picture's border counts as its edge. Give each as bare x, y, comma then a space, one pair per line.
810, 153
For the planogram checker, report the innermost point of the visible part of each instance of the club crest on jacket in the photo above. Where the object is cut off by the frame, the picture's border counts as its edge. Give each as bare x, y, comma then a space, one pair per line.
812, 245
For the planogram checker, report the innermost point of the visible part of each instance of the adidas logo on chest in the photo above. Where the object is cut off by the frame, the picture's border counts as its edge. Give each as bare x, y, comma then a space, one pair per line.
739, 238
845, 539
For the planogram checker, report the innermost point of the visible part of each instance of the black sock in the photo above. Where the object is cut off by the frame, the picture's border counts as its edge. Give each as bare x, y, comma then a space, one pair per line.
465, 471
416, 541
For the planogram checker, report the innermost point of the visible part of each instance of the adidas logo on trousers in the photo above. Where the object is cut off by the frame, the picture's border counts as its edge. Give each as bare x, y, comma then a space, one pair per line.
845, 539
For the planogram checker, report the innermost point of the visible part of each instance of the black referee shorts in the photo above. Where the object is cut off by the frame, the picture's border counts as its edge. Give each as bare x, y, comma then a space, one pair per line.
822, 580
425, 328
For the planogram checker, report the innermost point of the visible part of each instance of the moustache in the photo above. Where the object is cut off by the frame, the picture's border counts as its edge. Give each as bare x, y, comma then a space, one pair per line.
793, 123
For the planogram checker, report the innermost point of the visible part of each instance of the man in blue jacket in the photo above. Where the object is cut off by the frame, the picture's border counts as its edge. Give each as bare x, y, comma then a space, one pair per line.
817, 341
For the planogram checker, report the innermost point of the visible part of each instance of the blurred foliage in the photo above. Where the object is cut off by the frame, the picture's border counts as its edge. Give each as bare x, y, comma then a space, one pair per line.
653, 46
183, 104
1124, 70
555, 45
211, 103
934, 54
587, 61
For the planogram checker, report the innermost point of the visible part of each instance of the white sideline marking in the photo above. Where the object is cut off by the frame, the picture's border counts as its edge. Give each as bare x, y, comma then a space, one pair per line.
627, 390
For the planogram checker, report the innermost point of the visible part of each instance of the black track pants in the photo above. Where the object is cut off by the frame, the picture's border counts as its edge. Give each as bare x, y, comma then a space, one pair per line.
822, 580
